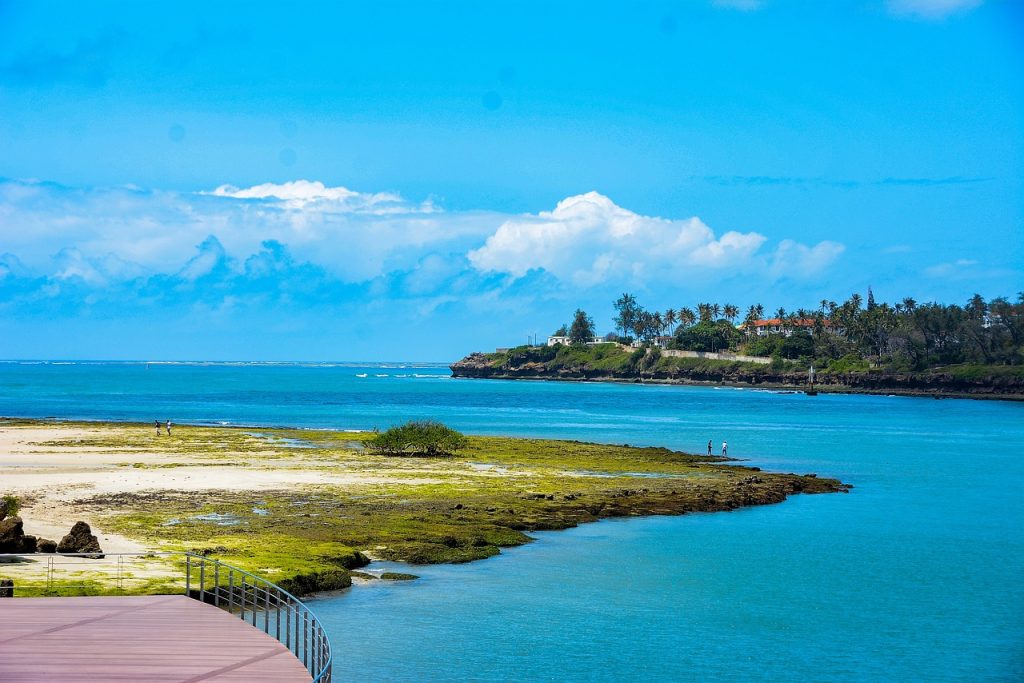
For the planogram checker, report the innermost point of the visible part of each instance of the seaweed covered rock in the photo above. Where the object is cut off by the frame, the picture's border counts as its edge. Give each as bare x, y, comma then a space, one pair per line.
315, 582
80, 540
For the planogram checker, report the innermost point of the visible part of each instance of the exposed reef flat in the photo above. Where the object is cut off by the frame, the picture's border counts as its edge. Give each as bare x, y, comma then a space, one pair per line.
304, 507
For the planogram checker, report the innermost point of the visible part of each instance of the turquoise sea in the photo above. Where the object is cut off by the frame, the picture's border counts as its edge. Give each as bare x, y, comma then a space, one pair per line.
916, 575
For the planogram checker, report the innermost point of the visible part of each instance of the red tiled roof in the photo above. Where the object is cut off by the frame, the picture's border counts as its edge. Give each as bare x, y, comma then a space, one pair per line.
772, 322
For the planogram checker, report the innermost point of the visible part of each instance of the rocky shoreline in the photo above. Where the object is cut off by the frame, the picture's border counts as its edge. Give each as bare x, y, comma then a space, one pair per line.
936, 385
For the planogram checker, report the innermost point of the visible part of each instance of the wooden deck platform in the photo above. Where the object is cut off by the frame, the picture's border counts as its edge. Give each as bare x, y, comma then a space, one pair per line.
147, 638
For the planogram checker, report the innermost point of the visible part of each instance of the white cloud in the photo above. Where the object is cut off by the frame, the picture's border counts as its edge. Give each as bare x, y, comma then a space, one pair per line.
303, 194
588, 240
959, 269
105, 235
792, 259
931, 9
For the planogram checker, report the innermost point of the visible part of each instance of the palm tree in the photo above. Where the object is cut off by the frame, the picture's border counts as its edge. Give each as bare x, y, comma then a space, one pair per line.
670, 320
730, 312
686, 317
781, 313
824, 304
716, 311
704, 312
909, 305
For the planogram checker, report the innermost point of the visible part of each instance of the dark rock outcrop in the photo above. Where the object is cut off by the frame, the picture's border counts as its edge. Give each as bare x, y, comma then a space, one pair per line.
28, 544
45, 545
12, 534
80, 540
3, 509
6, 588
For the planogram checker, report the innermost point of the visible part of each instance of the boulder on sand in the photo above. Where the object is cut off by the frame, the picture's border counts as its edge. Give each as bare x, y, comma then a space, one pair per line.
45, 545
28, 544
12, 532
80, 540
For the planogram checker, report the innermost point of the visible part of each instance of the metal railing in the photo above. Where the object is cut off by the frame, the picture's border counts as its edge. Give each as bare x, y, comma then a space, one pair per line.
263, 604
253, 599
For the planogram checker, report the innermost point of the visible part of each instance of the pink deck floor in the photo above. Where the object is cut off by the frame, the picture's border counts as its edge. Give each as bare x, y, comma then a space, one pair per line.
150, 638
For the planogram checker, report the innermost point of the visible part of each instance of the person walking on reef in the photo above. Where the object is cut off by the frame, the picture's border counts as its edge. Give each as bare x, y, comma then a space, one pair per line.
725, 448
709, 446
168, 428
157, 423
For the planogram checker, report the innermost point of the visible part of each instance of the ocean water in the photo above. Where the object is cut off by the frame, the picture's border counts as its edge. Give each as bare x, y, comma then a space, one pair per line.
916, 575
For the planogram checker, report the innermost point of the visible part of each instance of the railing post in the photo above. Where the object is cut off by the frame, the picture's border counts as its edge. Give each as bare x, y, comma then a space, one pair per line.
231, 590
266, 609
202, 580
287, 627
277, 615
216, 584
188, 574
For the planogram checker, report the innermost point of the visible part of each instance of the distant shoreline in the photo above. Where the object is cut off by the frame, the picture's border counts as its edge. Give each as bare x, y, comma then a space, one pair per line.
784, 388
744, 375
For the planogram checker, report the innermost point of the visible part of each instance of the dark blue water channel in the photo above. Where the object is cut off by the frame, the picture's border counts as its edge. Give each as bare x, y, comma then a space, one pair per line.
915, 575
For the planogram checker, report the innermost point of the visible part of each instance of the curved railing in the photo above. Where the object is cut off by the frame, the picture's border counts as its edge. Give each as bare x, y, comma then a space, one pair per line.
281, 614
253, 599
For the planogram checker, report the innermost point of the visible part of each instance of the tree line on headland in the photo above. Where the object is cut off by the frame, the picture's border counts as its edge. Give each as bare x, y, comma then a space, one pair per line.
856, 334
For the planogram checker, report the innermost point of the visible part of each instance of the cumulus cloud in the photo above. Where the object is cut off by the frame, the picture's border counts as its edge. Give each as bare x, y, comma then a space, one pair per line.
931, 9
306, 245
588, 239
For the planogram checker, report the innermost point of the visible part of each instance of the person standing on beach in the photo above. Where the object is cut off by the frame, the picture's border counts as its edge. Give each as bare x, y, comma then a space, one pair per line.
168, 428
709, 446
157, 423
725, 448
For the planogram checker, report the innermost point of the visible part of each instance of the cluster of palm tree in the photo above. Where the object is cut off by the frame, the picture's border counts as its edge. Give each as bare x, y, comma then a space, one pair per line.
905, 334
633, 319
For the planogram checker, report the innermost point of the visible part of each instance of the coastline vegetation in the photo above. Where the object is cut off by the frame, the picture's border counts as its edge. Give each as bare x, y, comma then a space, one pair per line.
905, 336
976, 349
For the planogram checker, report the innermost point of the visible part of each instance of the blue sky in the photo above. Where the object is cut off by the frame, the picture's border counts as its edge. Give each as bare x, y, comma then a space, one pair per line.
420, 180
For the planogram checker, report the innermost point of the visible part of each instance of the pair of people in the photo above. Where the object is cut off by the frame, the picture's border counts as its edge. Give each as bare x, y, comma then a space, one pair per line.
725, 448
168, 427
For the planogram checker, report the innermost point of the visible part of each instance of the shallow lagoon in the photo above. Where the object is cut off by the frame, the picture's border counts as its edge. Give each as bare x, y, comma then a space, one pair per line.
915, 575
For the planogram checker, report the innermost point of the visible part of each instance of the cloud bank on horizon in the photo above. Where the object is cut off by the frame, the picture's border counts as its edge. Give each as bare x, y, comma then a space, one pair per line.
110, 236
304, 248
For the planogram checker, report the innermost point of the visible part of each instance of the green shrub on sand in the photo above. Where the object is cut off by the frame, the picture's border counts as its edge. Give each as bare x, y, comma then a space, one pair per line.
419, 437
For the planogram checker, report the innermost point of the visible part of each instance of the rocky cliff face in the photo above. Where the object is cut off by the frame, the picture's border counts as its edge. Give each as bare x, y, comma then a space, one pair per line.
478, 365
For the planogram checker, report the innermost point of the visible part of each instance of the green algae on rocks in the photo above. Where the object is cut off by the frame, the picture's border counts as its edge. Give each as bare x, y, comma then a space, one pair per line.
354, 505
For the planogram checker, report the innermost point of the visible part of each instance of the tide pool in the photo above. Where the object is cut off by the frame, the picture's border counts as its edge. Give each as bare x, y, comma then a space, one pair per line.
915, 575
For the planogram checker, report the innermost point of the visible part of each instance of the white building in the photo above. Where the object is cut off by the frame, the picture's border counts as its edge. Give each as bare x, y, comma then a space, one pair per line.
552, 341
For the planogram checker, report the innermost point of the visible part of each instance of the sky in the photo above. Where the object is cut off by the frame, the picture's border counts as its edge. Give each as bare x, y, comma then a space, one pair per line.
416, 181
